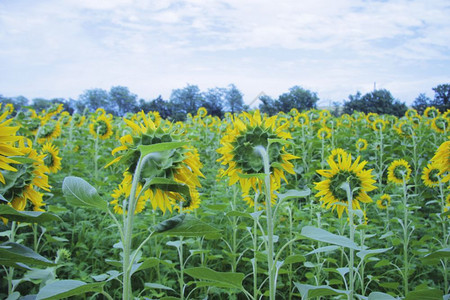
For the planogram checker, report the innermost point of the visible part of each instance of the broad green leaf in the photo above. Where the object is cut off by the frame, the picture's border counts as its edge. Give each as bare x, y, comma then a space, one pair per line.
191, 227
223, 279
11, 214
169, 223
435, 256
380, 296
368, 253
321, 235
235, 213
291, 194
310, 291
147, 149
67, 288
11, 254
292, 259
426, 294
165, 184
146, 264
157, 286
79, 192
323, 249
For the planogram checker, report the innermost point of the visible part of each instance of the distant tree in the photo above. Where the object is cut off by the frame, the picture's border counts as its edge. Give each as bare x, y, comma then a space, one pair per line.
234, 99
94, 99
442, 97
298, 98
158, 104
214, 101
17, 102
122, 100
378, 101
40, 104
267, 105
75, 106
421, 103
185, 100
336, 109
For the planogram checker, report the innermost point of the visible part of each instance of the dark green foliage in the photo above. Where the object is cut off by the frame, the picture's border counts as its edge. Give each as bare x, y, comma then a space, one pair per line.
297, 97
378, 101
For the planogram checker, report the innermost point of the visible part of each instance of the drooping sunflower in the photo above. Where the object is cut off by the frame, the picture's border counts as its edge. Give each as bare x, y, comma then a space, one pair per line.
430, 175
123, 192
384, 201
181, 165
440, 124
441, 160
101, 126
48, 131
245, 133
324, 133
361, 144
431, 112
398, 171
7, 148
51, 159
330, 190
202, 112
29, 178
379, 125
404, 128
411, 113
301, 120
78, 120
371, 117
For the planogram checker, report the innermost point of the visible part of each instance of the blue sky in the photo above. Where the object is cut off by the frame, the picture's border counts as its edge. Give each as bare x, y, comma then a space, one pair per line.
334, 48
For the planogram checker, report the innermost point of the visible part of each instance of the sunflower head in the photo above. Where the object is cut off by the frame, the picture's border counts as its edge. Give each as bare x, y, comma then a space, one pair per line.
379, 125
399, 171
78, 120
101, 127
301, 119
324, 133
404, 128
331, 191
361, 144
431, 112
440, 124
441, 161
411, 113
335, 153
430, 175
51, 158
48, 131
202, 112
384, 201
314, 116
371, 117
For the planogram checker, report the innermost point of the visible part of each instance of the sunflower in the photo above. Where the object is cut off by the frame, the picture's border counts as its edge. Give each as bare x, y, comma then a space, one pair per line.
29, 178
398, 171
411, 113
7, 149
301, 120
238, 151
371, 117
440, 124
335, 153
202, 112
324, 133
384, 201
122, 193
441, 160
431, 112
331, 123
181, 165
101, 126
314, 116
48, 131
51, 160
330, 189
404, 128
78, 120
378, 125
430, 175
361, 144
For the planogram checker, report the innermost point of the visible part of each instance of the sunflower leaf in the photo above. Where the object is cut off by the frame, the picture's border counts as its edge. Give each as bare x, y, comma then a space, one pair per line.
13, 254
191, 227
79, 192
169, 185
321, 235
11, 214
67, 288
147, 149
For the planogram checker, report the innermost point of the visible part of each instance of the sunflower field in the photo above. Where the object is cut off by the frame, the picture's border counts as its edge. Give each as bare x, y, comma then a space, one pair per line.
300, 205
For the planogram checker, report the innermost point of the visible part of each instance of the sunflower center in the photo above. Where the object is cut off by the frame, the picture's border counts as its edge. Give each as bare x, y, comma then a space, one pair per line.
101, 127
433, 176
337, 180
47, 130
400, 171
49, 160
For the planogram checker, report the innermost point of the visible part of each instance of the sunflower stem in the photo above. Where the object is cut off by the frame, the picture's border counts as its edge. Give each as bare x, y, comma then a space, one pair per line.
96, 154
444, 236
255, 248
352, 238
405, 239
265, 157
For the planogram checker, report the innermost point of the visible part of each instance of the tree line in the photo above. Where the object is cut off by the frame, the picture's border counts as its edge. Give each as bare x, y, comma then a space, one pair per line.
120, 101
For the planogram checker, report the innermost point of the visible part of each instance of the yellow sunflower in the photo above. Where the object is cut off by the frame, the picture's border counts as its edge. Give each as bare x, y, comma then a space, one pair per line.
411, 113
122, 193
371, 117
301, 120
398, 171
78, 120
30, 177
430, 175
102, 126
431, 112
440, 124
181, 165
331, 123
324, 133
202, 112
245, 133
330, 189
384, 201
51, 160
314, 116
378, 125
361, 144
404, 128
7, 148
48, 131
441, 160
335, 153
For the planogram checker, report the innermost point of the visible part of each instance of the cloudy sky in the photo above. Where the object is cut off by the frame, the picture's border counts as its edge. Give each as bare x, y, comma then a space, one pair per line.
61, 48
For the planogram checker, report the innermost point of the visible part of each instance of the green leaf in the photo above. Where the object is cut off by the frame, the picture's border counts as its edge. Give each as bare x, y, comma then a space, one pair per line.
426, 294
67, 288
323, 249
220, 279
321, 235
281, 141
147, 149
11, 214
170, 185
79, 192
310, 291
368, 253
146, 264
192, 227
290, 194
380, 296
157, 286
435, 256
235, 213
292, 259
12, 254
261, 176
169, 223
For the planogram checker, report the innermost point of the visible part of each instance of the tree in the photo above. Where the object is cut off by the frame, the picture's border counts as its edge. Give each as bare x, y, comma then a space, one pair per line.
378, 101
40, 104
298, 98
158, 104
421, 103
213, 101
234, 99
94, 99
122, 100
442, 97
267, 105
186, 100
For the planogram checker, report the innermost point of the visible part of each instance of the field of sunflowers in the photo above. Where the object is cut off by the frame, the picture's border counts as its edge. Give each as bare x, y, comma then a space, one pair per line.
300, 205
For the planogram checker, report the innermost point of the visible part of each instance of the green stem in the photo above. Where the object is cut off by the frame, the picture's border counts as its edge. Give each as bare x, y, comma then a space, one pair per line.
10, 273
96, 155
405, 240
352, 238
380, 163
180, 255
255, 249
444, 236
